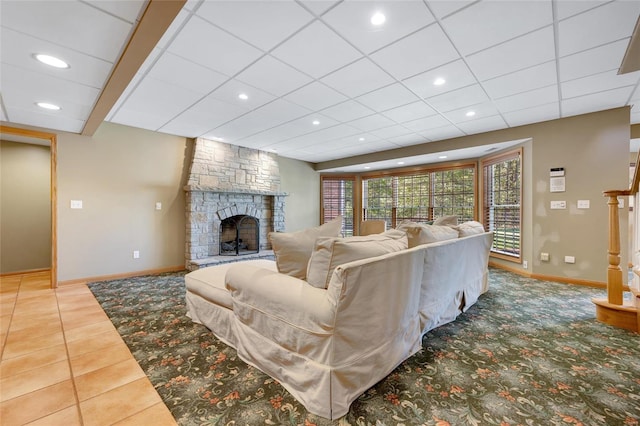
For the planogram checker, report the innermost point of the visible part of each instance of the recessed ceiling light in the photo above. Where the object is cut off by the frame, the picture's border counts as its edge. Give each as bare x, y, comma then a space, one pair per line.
367, 167
243, 96
378, 19
315, 122
400, 162
360, 139
51, 60
439, 81
47, 105
470, 113
273, 150
442, 157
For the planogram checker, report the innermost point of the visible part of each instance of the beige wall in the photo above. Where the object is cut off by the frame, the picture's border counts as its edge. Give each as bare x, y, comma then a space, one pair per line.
302, 183
25, 207
594, 150
119, 174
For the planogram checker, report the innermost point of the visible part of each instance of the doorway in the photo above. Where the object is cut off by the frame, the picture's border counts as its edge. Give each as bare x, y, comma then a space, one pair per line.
13, 133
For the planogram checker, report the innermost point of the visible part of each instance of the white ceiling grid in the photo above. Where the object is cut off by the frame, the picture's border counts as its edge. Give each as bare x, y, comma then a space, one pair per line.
512, 62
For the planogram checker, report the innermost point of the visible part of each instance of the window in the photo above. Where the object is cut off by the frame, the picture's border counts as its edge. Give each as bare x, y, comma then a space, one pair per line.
420, 196
502, 194
337, 199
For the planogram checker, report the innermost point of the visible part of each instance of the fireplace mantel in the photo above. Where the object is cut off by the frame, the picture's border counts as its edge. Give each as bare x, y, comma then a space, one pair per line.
202, 188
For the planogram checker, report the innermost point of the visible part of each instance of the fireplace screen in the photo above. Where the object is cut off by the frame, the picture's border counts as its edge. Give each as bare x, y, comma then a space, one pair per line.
239, 235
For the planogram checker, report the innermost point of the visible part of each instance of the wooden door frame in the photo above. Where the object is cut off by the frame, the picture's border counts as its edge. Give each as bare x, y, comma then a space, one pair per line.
51, 137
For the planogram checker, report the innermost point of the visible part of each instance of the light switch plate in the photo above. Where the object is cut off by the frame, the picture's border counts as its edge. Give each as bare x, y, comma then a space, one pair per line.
583, 204
76, 204
555, 205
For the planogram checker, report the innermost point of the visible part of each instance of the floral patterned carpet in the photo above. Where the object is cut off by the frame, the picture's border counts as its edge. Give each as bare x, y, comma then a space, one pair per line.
528, 353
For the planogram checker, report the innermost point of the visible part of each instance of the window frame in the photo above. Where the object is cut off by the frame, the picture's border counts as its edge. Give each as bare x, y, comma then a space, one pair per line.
490, 161
354, 201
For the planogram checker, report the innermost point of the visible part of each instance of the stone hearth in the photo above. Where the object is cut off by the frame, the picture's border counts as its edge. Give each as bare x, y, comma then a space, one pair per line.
227, 180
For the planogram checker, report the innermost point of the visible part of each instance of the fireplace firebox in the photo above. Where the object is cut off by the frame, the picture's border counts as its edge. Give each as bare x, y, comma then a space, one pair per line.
239, 235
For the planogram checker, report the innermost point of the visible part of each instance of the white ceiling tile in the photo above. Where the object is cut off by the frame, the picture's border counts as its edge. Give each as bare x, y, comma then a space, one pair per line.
74, 25
25, 98
371, 122
129, 10
528, 99
38, 87
388, 97
517, 54
598, 83
521, 81
598, 26
315, 96
423, 124
565, 9
203, 116
263, 118
142, 119
18, 48
273, 76
47, 121
486, 109
349, 81
347, 111
397, 61
409, 112
488, 23
292, 129
318, 7
230, 91
179, 21
352, 19
459, 98
441, 133
161, 100
635, 118
596, 101
442, 8
532, 115
456, 74
391, 131
3, 116
482, 125
183, 73
227, 55
407, 140
192, 4
321, 137
600, 59
261, 23
316, 50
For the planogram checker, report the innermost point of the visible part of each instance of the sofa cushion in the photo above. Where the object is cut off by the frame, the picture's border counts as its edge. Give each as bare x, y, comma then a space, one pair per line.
330, 253
293, 249
469, 228
418, 233
450, 220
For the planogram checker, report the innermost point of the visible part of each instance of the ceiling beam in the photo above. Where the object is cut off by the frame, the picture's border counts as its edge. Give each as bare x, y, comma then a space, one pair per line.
631, 60
154, 22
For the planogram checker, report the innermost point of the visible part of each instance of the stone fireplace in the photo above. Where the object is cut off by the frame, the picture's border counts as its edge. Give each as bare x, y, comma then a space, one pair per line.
227, 181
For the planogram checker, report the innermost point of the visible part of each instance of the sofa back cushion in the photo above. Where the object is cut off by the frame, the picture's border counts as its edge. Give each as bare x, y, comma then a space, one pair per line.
418, 233
330, 253
293, 249
469, 228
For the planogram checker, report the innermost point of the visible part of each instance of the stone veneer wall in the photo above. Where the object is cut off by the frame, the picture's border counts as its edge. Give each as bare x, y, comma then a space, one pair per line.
226, 180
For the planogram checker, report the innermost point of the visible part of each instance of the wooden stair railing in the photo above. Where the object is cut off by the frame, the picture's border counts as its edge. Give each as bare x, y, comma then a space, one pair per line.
614, 310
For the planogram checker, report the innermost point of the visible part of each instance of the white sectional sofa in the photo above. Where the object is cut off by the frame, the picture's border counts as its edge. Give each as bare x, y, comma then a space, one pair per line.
328, 342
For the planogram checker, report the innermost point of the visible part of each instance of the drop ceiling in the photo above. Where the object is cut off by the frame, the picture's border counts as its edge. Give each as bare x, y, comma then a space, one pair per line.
366, 88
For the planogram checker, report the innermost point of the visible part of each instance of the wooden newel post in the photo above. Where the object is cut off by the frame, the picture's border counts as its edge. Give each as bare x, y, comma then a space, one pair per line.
614, 273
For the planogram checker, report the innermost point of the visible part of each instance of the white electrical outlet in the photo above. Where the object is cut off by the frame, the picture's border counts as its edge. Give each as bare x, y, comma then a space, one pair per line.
544, 257
136, 254
525, 264
158, 205
569, 259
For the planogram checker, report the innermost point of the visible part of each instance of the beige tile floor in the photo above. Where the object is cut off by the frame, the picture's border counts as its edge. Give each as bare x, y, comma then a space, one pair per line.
63, 362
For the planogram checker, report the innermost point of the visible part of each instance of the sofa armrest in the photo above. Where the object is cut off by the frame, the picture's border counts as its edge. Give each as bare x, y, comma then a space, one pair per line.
284, 299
